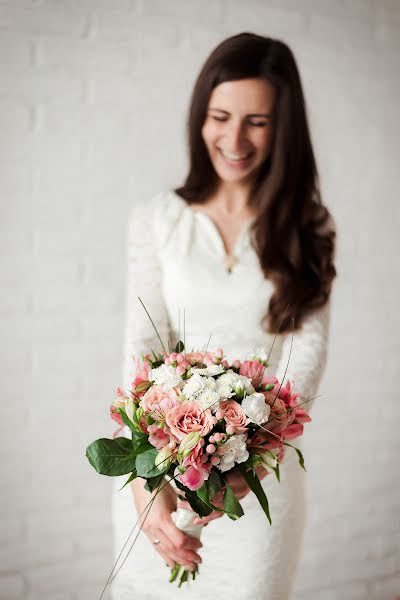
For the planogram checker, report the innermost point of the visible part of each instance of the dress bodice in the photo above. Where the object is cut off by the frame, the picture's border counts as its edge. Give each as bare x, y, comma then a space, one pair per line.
175, 265
227, 306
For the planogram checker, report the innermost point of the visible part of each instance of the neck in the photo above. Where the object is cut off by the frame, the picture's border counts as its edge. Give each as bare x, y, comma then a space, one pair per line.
231, 198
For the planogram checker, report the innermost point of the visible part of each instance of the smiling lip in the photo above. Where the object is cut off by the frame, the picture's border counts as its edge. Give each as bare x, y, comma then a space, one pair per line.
236, 163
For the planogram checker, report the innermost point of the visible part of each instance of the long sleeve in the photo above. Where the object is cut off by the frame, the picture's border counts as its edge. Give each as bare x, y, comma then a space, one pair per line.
144, 280
309, 354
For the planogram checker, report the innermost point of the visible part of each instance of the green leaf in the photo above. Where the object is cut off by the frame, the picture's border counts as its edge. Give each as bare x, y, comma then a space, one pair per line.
254, 484
277, 473
199, 507
126, 419
179, 347
145, 464
138, 436
153, 482
204, 494
269, 387
232, 506
215, 483
111, 457
299, 454
301, 458
131, 478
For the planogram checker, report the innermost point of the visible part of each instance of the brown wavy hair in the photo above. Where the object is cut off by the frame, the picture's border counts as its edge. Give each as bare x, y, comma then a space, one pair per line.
294, 233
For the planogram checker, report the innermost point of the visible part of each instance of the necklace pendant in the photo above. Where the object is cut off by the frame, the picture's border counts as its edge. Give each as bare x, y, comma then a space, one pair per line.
230, 262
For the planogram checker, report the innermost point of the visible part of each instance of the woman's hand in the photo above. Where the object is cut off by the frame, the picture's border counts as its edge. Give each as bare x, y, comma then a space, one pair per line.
239, 488
175, 546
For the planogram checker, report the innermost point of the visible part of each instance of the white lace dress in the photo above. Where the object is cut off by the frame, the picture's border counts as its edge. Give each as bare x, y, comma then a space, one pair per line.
175, 263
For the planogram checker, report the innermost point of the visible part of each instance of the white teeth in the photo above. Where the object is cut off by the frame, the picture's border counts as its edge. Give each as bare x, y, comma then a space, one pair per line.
235, 156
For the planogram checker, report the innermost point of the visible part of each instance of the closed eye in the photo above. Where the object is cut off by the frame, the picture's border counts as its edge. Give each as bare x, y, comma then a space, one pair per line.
258, 124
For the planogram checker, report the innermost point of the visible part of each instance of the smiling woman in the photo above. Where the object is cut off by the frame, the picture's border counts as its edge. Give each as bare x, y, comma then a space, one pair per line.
245, 236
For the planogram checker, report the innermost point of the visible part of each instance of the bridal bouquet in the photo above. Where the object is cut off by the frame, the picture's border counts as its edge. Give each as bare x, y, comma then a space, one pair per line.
193, 418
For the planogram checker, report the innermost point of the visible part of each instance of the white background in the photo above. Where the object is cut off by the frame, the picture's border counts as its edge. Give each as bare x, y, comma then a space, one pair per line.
93, 101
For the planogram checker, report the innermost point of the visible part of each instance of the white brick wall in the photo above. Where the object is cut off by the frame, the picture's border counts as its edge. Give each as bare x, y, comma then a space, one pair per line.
93, 99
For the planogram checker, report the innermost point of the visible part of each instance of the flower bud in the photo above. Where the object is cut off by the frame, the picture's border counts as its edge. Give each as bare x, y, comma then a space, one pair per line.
163, 458
188, 443
180, 369
129, 408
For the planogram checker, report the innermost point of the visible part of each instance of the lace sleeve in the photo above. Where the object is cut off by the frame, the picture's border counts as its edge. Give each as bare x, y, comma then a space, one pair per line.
309, 354
143, 279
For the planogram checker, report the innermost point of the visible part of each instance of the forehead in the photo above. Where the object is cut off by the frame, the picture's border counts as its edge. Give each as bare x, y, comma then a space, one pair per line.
243, 95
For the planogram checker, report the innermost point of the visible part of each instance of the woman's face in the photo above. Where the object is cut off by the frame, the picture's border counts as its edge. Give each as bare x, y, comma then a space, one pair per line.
238, 127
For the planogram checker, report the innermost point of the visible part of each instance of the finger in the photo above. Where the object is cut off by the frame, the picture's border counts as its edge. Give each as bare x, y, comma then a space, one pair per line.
166, 549
170, 562
183, 545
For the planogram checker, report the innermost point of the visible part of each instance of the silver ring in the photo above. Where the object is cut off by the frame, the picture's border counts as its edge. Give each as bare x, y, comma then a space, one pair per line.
157, 541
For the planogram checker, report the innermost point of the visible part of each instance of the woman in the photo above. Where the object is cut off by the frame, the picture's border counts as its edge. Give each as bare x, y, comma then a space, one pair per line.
245, 246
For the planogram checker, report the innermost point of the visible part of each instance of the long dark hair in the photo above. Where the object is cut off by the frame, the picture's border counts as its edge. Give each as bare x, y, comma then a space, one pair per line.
294, 234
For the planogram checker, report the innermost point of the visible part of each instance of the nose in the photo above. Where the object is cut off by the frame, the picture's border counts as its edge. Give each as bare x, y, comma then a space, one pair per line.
234, 137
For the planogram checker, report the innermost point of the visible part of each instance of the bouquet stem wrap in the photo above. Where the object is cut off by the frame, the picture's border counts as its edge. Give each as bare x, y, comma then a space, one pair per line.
183, 520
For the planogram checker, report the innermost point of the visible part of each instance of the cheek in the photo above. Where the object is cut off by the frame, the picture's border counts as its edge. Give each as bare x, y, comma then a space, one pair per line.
209, 133
263, 142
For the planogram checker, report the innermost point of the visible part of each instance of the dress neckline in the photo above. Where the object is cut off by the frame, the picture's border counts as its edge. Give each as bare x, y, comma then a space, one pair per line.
214, 228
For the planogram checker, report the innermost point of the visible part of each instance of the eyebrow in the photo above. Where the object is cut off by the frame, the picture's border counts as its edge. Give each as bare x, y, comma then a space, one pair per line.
266, 115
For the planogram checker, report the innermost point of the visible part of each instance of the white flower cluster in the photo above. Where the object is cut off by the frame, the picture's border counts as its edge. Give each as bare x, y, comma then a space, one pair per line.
230, 383
165, 376
202, 389
235, 451
209, 391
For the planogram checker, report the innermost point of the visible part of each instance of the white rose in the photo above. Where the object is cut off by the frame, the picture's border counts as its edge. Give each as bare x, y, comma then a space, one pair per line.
235, 451
165, 376
256, 408
193, 386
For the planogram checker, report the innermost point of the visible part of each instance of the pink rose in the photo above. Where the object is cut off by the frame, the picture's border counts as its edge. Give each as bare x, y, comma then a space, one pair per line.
234, 416
193, 477
189, 416
157, 401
